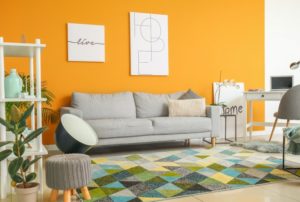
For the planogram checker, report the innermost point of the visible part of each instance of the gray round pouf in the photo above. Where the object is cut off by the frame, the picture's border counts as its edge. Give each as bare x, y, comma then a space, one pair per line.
68, 171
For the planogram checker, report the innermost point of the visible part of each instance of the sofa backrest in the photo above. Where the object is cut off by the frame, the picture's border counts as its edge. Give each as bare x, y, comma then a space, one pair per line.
153, 105
97, 106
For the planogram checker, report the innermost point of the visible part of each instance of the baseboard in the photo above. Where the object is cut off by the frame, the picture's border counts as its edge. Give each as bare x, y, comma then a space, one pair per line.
51, 147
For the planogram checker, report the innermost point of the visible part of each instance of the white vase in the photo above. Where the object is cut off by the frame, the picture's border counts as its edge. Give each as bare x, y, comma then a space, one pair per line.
13, 84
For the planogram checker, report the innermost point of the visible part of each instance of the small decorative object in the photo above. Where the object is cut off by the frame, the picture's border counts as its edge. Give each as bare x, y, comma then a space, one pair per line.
18, 168
23, 38
74, 135
294, 65
218, 87
86, 43
24, 95
13, 84
149, 44
226, 83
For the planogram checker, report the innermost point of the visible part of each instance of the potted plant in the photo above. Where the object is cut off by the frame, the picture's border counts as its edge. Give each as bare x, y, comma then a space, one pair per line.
18, 168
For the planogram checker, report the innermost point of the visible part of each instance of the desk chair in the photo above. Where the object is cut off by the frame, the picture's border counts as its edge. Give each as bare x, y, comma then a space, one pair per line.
289, 107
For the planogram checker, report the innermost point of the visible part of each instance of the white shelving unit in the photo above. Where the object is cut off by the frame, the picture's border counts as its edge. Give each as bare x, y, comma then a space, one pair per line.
33, 52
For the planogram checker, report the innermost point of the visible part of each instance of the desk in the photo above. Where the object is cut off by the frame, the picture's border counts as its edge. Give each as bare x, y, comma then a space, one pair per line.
249, 97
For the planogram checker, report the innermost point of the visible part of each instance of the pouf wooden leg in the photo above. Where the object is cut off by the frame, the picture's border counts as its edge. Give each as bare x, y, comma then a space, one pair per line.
73, 192
53, 196
85, 193
67, 195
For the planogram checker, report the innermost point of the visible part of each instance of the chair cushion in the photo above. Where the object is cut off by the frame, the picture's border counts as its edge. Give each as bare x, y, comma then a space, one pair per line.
177, 125
153, 105
99, 106
113, 128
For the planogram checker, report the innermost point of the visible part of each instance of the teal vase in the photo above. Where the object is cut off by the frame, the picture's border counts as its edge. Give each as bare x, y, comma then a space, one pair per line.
13, 85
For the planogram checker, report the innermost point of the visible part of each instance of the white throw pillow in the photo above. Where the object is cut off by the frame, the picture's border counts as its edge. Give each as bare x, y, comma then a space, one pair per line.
190, 107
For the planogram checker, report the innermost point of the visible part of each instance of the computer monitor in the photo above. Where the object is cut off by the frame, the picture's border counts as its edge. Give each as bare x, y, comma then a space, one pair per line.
282, 82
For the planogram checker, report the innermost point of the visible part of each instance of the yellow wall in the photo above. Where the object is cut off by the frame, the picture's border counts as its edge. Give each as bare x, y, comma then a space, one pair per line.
205, 36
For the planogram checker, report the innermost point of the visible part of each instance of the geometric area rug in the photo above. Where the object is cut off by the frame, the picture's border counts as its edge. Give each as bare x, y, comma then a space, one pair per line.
162, 175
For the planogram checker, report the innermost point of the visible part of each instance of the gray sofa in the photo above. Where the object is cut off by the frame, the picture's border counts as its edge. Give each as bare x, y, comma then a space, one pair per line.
130, 118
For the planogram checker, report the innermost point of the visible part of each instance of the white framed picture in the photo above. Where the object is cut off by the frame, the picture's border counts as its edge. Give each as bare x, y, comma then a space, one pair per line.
86, 43
149, 44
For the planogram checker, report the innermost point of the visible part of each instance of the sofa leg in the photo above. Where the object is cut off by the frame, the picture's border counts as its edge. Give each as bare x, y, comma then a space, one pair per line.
187, 142
213, 141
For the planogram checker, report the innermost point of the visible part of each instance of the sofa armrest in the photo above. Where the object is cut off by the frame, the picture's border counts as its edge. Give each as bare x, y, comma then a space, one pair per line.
71, 110
214, 112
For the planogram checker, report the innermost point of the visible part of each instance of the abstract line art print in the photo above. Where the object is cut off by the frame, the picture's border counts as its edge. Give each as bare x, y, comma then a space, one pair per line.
149, 44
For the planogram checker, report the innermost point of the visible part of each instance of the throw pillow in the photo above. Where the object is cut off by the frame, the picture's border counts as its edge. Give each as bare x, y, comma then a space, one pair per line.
191, 107
189, 95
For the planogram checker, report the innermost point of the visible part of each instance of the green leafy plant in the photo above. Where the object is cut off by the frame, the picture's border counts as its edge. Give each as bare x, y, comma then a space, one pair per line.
19, 166
50, 116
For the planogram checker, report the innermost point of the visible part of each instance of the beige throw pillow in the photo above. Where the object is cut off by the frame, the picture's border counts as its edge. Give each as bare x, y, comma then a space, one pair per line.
190, 107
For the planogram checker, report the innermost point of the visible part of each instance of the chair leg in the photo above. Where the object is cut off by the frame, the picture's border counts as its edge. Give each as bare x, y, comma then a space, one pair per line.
273, 129
85, 192
287, 122
67, 195
53, 195
213, 141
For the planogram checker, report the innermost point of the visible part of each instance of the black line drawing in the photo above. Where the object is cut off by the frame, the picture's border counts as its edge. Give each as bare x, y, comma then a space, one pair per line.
84, 41
150, 30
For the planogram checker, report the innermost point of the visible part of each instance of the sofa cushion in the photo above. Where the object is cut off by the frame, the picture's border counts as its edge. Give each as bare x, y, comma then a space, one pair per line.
95, 106
153, 105
189, 95
190, 107
177, 125
115, 128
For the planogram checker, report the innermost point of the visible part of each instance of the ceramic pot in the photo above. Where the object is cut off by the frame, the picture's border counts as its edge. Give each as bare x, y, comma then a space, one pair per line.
27, 194
13, 85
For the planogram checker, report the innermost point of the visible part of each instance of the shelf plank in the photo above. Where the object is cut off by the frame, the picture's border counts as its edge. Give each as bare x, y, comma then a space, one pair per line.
23, 100
20, 49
